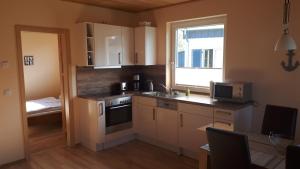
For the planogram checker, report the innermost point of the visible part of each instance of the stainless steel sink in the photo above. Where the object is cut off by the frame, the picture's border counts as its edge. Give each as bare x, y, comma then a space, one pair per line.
161, 94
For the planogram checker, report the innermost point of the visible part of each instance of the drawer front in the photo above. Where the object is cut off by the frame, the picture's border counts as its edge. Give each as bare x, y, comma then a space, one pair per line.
224, 114
223, 124
147, 101
196, 109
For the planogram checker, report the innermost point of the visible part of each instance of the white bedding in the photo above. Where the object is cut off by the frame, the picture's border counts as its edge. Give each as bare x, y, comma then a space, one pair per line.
44, 104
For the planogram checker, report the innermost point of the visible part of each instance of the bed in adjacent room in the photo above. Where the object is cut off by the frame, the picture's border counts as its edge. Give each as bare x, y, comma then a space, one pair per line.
42, 107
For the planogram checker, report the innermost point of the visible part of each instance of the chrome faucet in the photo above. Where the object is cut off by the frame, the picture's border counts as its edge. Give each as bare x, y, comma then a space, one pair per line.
167, 90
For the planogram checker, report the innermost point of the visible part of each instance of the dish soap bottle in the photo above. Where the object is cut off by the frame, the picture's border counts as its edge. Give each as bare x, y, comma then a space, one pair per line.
188, 92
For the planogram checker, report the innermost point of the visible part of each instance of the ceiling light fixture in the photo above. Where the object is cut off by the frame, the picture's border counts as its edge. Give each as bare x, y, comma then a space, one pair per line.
286, 42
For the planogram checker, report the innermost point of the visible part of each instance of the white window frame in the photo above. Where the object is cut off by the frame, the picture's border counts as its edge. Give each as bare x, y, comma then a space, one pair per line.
213, 20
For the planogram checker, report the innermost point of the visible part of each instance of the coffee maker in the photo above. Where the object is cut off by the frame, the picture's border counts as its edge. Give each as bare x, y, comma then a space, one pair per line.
136, 82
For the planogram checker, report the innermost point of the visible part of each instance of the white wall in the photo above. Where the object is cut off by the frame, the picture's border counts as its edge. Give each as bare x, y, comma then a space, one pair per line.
253, 27
42, 79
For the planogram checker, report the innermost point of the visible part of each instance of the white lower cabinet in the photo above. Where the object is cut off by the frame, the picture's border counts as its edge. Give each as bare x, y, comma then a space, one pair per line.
146, 122
144, 117
190, 138
191, 118
91, 128
167, 126
184, 128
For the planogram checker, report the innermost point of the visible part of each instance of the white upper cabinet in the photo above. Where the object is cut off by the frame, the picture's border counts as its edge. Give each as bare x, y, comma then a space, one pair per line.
108, 45
128, 46
113, 46
145, 45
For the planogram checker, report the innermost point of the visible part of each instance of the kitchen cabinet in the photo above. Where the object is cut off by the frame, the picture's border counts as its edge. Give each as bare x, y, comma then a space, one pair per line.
91, 127
114, 46
233, 120
192, 117
145, 117
128, 46
145, 45
167, 126
173, 125
108, 45
85, 56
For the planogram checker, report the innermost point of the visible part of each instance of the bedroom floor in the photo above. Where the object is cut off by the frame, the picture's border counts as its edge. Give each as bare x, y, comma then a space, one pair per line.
45, 135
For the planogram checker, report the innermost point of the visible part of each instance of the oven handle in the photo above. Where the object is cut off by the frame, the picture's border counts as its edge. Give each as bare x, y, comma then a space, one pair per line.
117, 107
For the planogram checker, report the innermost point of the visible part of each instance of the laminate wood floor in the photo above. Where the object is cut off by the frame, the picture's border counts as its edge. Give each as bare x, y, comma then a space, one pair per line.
42, 137
132, 155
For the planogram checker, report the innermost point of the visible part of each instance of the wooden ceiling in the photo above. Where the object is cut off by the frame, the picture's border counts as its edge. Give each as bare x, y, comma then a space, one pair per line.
131, 5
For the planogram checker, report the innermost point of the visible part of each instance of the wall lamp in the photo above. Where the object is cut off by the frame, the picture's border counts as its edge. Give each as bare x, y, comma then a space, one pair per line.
286, 42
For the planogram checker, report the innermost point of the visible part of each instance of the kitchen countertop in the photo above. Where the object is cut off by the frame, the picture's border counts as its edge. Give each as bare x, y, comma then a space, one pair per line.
203, 100
104, 96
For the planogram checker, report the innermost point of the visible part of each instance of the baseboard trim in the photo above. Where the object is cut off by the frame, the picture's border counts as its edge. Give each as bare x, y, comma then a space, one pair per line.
12, 163
160, 144
122, 140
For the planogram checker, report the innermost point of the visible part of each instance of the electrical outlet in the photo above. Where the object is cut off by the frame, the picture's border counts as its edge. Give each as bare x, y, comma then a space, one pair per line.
7, 92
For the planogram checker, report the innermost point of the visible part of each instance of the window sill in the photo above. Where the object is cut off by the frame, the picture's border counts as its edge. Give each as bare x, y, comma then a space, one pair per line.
193, 89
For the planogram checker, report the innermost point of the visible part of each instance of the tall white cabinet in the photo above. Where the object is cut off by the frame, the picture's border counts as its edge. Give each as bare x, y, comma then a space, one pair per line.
145, 45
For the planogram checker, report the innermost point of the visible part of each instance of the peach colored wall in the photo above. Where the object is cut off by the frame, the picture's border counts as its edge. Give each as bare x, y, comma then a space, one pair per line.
253, 28
47, 13
42, 79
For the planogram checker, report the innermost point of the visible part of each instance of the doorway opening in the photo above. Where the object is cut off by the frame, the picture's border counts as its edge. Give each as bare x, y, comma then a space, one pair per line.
42, 82
43, 62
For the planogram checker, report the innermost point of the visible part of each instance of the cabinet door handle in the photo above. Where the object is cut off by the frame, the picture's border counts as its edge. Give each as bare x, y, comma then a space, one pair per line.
227, 123
119, 55
101, 109
154, 112
181, 120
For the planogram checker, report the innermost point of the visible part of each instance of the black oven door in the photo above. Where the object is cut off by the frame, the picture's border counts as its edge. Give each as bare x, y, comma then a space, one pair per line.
118, 118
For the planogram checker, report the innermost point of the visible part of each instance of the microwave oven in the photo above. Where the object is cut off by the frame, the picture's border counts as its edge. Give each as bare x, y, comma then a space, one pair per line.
239, 92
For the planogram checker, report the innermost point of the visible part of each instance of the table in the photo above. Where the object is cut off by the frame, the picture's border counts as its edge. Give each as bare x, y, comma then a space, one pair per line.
261, 150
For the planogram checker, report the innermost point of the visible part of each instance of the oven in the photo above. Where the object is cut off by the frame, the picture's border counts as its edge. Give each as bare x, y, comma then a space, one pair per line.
118, 114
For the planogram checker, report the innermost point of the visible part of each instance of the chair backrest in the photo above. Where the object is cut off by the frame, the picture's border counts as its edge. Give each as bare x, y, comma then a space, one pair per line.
292, 157
228, 150
280, 120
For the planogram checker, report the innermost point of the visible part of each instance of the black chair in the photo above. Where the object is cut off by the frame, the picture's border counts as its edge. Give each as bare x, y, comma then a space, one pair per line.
229, 150
292, 157
280, 121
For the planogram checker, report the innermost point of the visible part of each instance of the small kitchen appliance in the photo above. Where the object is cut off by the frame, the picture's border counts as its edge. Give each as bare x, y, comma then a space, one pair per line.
239, 92
136, 82
123, 86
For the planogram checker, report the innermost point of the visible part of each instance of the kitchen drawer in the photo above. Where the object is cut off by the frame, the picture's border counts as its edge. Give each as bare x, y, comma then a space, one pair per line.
224, 114
196, 109
147, 101
223, 124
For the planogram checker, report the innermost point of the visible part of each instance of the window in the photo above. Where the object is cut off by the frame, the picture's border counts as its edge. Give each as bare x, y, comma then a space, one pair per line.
197, 58
197, 53
181, 59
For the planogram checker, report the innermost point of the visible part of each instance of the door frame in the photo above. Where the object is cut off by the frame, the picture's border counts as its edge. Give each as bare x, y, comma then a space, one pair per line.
66, 81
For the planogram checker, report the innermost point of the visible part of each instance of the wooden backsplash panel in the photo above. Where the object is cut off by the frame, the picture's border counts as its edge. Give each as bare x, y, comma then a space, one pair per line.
100, 81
